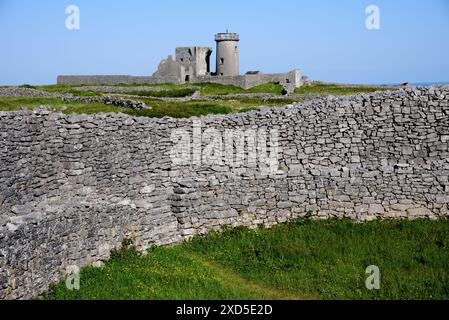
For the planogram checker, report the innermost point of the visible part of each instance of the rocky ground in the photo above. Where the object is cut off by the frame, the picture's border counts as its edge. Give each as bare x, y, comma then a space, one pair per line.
116, 89
15, 92
166, 100
107, 99
122, 91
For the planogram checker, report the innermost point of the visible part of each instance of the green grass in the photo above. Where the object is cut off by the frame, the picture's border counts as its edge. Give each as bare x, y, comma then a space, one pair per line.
208, 88
178, 109
220, 89
159, 109
212, 88
63, 88
184, 90
172, 90
175, 93
55, 104
300, 260
188, 109
339, 89
267, 88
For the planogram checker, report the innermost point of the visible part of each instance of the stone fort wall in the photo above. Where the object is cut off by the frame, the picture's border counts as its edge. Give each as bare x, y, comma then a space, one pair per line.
74, 186
115, 79
246, 81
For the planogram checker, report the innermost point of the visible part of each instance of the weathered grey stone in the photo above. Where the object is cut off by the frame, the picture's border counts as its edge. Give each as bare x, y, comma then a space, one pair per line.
77, 186
401, 207
419, 212
375, 209
442, 199
361, 209
148, 189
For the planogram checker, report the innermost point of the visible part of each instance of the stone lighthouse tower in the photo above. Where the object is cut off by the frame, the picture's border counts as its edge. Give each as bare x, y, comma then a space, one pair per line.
227, 54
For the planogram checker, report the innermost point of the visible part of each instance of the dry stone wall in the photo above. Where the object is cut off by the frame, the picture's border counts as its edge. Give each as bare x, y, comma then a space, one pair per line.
74, 186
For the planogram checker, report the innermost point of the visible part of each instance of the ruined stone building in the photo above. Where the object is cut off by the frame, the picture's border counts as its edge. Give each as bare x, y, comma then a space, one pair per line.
192, 65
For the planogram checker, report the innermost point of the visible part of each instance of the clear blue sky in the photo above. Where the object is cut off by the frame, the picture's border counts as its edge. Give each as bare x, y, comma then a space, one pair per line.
326, 39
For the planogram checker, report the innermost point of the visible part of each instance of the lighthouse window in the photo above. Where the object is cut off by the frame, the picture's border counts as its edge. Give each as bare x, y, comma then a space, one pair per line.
222, 60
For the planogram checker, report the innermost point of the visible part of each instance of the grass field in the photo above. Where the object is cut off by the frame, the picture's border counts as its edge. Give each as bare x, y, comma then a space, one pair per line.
160, 108
178, 109
337, 89
171, 90
300, 260
182, 90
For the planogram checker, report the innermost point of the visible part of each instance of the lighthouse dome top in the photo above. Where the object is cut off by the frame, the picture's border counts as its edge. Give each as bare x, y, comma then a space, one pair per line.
227, 36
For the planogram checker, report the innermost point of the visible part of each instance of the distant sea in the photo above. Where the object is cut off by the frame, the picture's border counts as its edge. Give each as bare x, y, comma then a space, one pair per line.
419, 84
429, 83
